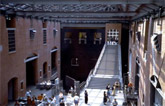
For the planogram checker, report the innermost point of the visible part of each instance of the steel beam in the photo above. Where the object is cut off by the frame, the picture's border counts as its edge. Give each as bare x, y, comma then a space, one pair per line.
78, 14
78, 1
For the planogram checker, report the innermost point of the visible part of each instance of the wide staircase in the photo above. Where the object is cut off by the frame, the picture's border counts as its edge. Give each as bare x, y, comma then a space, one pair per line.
107, 72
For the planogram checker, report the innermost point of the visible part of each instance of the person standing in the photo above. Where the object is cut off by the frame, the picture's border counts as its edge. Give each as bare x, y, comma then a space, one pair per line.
105, 98
115, 103
86, 97
76, 99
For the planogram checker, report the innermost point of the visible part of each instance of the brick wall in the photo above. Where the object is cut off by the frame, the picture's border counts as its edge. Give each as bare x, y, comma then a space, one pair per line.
146, 70
13, 65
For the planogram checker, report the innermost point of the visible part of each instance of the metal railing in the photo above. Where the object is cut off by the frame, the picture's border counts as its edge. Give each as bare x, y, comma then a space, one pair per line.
93, 71
120, 65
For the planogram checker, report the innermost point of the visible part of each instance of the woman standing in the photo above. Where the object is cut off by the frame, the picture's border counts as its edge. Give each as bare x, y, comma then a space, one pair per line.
105, 98
86, 97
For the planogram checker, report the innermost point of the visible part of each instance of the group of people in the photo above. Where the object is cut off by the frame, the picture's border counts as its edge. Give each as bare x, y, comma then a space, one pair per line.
111, 91
40, 100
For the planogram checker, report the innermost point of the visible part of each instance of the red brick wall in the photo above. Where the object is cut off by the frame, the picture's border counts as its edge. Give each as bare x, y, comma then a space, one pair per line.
13, 63
146, 70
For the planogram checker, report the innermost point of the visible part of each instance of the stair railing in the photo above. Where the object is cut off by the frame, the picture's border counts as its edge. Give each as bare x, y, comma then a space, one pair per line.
99, 59
93, 71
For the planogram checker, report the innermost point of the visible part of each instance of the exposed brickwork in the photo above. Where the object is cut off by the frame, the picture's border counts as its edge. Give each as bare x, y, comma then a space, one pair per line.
146, 70
12, 65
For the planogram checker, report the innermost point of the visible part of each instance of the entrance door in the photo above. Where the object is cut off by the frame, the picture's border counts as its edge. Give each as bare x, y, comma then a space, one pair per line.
12, 89
31, 73
53, 62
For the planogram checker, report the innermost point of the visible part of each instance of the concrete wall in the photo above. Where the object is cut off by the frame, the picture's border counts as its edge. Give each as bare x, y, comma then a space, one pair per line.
146, 64
13, 65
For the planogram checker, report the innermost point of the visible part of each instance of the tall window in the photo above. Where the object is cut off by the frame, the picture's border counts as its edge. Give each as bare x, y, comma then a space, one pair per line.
146, 38
11, 40
44, 37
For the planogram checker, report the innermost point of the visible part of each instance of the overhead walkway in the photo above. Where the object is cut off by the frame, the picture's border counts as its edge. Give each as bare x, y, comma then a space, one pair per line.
106, 72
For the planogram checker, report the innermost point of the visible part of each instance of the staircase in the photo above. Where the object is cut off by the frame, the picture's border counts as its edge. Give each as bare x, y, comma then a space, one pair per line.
106, 73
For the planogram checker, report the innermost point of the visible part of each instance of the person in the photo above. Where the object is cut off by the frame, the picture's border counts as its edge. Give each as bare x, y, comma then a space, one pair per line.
62, 102
69, 99
113, 90
71, 90
17, 103
60, 96
108, 87
29, 100
40, 97
115, 103
86, 97
76, 99
117, 85
109, 95
28, 93
105, 98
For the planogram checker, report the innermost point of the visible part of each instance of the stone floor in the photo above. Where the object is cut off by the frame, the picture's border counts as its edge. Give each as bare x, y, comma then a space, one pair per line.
107, 73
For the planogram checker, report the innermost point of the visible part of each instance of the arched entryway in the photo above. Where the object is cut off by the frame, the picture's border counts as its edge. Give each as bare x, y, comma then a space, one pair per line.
45, 70
156, 98
12, 89
31, 70
54, 60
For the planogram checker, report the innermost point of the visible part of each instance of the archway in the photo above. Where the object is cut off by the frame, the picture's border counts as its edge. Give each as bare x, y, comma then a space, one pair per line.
53, 60
31, 70
12, 89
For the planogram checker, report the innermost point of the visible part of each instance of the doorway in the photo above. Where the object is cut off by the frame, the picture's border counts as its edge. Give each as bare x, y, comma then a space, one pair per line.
31, 72
45, 70
53, 62
12, 89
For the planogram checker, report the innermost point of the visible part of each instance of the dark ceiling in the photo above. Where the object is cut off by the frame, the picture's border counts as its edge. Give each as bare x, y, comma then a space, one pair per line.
81, 11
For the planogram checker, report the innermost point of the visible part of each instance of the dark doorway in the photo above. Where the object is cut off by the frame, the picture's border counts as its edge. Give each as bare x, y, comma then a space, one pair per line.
53, 62
12, 89
45, 70
155, 98
31, 73
137, 77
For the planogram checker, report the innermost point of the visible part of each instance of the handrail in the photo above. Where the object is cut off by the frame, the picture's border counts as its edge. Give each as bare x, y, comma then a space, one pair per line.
99, 59
120, 65
89, 77
82, 84
93, 71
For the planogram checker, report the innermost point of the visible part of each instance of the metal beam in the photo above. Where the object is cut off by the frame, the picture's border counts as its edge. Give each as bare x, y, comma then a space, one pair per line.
62, 14
79, 1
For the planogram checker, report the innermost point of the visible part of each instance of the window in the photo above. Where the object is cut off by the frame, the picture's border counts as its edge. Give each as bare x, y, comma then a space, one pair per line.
157, 41
138, 36
112, 36
67, 37
44, 37
11, 40
10, 22
82, 37
32, 33
54, 32
44, 24
97, 37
